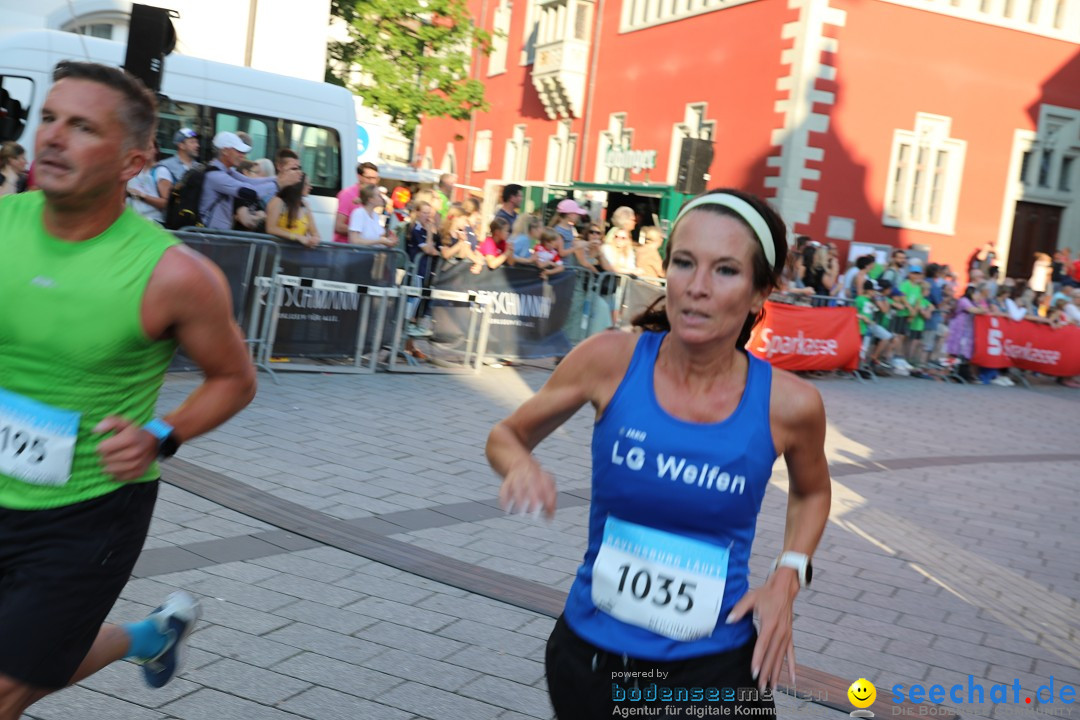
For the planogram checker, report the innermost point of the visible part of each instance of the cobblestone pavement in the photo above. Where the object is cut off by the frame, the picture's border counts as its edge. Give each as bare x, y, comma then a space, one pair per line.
951, 552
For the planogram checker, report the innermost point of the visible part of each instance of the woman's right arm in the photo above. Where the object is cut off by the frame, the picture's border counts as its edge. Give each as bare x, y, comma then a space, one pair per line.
586, 374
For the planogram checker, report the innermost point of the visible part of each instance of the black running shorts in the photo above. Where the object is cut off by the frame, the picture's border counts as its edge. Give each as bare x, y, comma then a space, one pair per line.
587, 683
61, 571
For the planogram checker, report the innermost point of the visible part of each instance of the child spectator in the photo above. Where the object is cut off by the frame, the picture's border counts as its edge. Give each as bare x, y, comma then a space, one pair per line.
525, 234
869, 306
494, 251
546, 254
921, 311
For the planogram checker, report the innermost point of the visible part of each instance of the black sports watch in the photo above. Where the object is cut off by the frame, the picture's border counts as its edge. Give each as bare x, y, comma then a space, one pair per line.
168, 443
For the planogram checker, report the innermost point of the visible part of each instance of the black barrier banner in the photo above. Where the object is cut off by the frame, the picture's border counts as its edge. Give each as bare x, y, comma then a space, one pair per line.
238, 260
527, 313
322, 319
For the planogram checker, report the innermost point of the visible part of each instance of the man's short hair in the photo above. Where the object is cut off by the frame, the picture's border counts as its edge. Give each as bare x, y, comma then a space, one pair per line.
282, 155
366, 166
139, 111
510, 191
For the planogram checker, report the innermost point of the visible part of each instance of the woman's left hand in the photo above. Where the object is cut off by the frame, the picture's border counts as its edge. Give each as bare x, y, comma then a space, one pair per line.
772, 604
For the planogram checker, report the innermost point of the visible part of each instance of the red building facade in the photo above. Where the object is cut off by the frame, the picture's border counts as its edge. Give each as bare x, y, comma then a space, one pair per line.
943, 123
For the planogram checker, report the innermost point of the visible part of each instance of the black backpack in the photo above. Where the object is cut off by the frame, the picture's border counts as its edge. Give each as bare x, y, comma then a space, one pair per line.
183, 207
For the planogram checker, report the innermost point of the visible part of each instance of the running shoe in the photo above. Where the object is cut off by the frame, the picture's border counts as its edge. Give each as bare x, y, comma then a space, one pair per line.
175, 619
414, 330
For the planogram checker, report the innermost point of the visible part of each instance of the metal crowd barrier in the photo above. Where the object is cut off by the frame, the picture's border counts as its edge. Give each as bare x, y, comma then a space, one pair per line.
614, 300
342, 290
243, 258
476, 338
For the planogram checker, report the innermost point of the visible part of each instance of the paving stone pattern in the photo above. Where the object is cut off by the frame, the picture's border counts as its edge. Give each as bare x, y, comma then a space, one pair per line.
936, 568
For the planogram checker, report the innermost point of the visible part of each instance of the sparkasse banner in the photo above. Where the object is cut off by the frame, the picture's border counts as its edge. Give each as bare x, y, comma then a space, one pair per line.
795, 337
1002, 343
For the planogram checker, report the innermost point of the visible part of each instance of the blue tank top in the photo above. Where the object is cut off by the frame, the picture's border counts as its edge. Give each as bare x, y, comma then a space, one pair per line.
698, 482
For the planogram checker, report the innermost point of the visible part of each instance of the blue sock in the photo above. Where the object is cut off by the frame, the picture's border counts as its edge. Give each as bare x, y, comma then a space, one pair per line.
146, 641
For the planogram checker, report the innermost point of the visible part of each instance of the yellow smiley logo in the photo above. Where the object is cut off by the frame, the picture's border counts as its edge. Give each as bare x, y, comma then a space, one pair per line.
862, 693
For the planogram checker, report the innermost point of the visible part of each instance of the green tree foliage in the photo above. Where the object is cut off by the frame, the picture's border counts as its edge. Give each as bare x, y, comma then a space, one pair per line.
409, 58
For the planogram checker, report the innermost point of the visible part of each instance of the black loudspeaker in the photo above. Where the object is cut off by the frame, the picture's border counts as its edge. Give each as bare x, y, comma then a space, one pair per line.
695, 157
151, 37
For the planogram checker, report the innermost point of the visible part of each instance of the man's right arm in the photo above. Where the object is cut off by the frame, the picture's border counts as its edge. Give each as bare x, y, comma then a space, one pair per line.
194, 297
225, 184
344, 212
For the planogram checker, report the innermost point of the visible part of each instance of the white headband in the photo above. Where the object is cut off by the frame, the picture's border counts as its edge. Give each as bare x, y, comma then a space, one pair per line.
744, 210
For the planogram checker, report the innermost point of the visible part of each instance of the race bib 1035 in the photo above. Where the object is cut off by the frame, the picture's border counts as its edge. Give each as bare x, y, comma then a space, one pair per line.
661, 581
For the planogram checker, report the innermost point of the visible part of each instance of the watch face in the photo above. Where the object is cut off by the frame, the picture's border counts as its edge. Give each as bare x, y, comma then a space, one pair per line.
168, 447
809, 572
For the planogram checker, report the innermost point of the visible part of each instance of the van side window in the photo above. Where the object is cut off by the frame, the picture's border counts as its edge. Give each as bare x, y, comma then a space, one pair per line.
16, 98
174, 115
319, 149
257, 127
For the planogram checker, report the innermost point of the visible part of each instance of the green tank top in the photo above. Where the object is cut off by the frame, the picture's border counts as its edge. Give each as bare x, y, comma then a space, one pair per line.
72, 344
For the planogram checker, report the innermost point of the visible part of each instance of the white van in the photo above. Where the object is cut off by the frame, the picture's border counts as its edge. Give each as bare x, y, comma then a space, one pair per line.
317, 120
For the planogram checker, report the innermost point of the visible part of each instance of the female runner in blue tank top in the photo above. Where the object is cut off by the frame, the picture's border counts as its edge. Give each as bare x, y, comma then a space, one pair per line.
688, 426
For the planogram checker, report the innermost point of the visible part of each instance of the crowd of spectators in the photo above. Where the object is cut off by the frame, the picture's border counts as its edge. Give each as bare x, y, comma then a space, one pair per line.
916, 320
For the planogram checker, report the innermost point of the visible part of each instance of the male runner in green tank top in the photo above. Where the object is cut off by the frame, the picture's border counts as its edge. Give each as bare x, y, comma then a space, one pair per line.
93, 302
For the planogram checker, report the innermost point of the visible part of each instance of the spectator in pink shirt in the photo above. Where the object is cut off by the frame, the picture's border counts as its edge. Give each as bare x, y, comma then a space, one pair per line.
493, 250
349, 199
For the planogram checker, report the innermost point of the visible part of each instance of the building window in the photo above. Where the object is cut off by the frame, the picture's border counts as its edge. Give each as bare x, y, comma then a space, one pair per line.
499, 40
1065, 183
694, 125
98, 30
1048, 160
641, 14
516, 160
562, 149
616, 137
482, 152
924, 176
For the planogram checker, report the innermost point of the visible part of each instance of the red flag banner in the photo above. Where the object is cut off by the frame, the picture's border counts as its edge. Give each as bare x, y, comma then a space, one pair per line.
795, 337
1002, 343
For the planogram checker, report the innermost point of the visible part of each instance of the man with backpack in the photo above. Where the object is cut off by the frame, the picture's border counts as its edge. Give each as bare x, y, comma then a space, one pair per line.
169, 171
222, 184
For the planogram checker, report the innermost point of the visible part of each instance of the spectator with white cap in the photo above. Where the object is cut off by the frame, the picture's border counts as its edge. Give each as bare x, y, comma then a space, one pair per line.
568, 212
170, 170
223, 184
